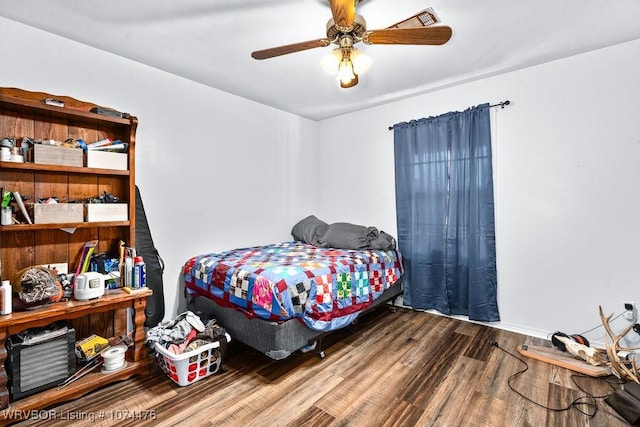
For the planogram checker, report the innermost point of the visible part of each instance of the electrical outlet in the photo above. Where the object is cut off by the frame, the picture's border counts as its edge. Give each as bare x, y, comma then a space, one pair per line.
630, 311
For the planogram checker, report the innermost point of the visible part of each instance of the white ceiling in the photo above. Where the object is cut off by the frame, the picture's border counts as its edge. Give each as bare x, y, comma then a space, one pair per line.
211, 41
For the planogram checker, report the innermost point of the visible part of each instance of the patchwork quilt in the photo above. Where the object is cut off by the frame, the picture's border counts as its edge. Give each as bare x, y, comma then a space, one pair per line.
325, 288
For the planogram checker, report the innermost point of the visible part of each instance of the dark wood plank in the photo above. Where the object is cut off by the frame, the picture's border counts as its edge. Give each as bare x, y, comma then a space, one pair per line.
312, 417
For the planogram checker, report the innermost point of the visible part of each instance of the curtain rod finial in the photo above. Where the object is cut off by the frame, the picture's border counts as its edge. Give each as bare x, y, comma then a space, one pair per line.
501, 104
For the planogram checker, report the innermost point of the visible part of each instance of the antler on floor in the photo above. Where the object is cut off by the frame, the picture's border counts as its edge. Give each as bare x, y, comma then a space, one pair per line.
618, 367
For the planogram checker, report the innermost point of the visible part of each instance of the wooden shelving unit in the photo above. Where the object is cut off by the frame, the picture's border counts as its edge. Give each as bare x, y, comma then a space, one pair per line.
24, 114
116, 301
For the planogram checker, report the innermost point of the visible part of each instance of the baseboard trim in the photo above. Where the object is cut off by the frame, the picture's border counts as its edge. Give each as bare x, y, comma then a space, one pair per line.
536, 333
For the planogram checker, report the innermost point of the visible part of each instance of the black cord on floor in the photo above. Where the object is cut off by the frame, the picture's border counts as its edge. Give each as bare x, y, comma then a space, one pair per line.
586, 404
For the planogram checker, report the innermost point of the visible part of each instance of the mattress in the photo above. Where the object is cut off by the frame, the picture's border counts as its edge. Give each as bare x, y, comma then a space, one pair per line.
323, 288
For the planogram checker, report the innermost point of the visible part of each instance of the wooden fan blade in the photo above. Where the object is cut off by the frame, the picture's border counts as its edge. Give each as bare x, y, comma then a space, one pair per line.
290, 48
344, 13
418, 36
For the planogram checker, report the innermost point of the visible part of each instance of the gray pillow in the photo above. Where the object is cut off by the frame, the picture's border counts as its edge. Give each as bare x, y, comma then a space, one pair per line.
309, 230
383, 242
342, 235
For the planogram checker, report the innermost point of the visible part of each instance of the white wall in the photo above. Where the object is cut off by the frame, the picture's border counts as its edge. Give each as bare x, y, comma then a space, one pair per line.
215, 171
567, 183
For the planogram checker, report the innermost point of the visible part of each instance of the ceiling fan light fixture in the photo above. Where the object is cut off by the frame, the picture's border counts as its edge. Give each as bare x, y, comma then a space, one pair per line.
361, 62
345, 71
346, 28
352, 83
340, 64
331, 62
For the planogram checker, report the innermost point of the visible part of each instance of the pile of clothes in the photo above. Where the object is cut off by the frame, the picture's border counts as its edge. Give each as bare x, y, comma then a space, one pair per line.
185, 333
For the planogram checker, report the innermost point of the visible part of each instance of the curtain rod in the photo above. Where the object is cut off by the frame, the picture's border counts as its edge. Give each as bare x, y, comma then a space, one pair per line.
499, 104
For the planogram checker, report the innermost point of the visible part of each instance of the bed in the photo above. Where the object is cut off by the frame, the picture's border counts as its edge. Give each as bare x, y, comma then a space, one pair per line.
284, 297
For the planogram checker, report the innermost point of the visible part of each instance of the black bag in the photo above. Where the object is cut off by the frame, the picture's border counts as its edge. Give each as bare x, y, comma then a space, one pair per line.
626, 402
155, 266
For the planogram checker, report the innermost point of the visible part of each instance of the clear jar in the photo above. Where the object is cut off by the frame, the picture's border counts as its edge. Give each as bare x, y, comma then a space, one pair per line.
5, 154
6, 215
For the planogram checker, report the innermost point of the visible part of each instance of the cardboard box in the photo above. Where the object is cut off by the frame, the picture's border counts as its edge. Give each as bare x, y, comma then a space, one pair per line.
90, 347
107, 212
52, 155
57, 213
106, 160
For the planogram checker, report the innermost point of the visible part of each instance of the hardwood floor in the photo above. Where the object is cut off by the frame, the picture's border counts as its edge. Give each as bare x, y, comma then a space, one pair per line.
392, 369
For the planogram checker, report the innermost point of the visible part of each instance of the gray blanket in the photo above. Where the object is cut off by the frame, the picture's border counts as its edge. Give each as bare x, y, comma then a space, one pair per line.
341, 235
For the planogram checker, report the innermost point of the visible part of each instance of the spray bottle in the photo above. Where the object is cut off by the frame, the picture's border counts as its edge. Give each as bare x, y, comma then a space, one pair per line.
139, 273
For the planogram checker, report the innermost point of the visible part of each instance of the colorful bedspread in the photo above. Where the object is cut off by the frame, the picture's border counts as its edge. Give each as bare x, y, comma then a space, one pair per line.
326, 288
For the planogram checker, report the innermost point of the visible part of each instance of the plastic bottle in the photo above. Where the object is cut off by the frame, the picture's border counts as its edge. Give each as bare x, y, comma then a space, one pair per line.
6, 215
6, 302
139, 273
128, 272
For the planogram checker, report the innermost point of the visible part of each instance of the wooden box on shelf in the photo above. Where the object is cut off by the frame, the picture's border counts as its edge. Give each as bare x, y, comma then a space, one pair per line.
53, 155
106, 160
57, 213
97, 212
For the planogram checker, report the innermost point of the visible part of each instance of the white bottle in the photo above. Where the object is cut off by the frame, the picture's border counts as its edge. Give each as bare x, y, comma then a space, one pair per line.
6, 305
128, 272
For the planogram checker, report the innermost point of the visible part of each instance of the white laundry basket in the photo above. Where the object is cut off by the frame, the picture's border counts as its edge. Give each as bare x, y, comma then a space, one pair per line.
189, 367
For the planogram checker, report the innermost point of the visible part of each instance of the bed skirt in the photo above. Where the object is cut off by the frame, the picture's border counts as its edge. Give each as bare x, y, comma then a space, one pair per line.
277, 340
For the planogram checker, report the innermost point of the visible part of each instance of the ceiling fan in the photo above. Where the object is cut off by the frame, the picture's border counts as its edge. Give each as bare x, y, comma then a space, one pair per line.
347, 28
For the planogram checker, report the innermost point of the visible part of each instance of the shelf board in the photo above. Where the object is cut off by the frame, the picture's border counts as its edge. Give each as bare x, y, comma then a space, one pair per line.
32, 227
48, 313
37, 167
77, 388
26, 105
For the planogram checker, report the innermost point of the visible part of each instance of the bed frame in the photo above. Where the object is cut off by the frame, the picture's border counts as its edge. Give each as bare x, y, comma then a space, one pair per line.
278, 340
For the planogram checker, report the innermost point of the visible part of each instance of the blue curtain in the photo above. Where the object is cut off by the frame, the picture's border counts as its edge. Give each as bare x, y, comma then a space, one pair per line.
444, 204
